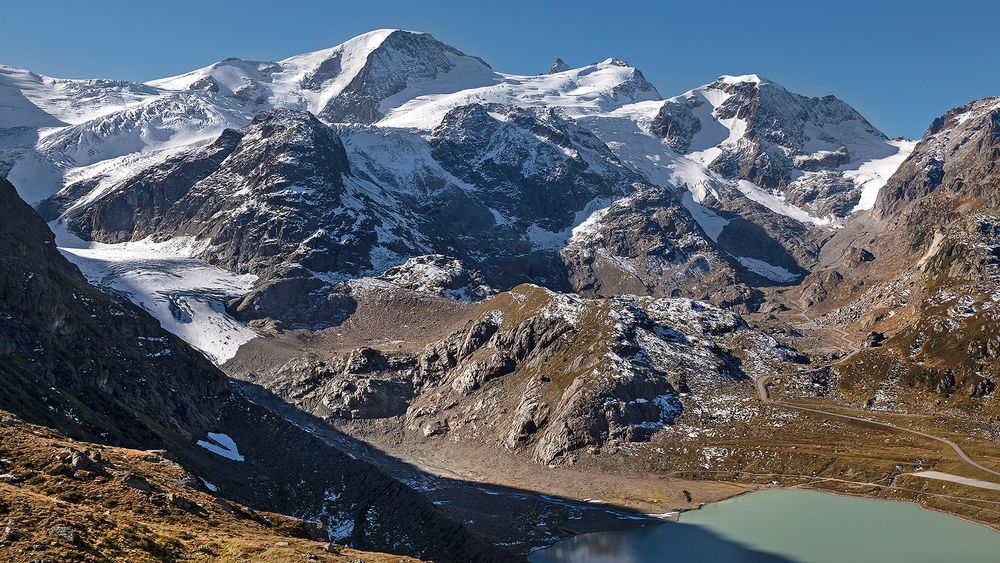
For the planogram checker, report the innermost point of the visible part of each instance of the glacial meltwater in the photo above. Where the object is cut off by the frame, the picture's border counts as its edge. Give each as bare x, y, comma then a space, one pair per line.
781, 525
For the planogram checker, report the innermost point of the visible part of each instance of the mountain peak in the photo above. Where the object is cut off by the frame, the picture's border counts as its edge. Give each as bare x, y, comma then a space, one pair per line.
360, 45
742, 78
347, 82
559, 66
614, 61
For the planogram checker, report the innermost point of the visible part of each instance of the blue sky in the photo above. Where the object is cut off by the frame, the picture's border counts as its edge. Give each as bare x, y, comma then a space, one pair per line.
900, 63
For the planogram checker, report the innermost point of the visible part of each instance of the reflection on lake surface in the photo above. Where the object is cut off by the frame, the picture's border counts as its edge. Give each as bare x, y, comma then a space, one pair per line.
782, 525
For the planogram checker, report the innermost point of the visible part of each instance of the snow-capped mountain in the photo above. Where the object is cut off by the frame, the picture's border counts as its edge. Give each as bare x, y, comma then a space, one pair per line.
472, 272
322, 210
789, 152
349, 161
357, 81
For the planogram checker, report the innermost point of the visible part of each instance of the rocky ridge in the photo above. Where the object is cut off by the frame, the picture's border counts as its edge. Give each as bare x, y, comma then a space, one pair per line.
543, 374
925, 262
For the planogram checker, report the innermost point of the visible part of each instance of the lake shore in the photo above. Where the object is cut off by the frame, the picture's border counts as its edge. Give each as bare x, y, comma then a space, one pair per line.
799, 527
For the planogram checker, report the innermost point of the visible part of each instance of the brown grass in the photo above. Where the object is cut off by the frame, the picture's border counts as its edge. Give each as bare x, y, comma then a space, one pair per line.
115, 522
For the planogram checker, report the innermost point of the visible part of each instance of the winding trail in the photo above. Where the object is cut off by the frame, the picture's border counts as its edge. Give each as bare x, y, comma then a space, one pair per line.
765, 397
762, 392
958, 451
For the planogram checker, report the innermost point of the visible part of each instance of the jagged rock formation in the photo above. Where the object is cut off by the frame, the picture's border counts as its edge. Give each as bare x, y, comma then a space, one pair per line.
559, 66
544, 374
750, 128
648, 244
439, 275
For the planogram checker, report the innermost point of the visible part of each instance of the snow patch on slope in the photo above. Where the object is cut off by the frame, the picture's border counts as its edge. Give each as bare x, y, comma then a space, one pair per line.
626, 131
873, 174
767, 270
33, 100
778, 204
310, 81
597, 87
221, 445
584, 222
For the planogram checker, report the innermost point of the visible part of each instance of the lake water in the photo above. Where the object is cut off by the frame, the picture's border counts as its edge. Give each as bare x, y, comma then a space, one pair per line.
781, 525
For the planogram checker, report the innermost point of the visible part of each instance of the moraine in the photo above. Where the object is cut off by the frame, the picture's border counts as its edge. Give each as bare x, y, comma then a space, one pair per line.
782, 525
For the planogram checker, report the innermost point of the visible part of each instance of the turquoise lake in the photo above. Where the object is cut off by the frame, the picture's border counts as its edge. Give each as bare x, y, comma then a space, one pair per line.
782, 525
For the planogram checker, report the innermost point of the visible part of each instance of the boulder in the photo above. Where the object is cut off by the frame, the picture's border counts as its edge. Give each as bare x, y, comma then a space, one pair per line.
65, 534
874, 339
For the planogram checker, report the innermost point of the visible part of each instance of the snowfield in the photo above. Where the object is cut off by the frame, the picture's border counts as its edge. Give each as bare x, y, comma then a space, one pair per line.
769, 271
874, 173
185, 294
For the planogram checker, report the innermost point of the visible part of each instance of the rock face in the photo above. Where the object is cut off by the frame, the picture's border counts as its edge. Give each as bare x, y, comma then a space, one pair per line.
53, 331
280, 202
958, 152
96, 366
439, 275
930, 256
559, 66
279, 222
648, 244
543, 374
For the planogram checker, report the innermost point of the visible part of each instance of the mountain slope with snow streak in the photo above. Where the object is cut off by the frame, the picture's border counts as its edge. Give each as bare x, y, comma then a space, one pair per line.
597, 87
